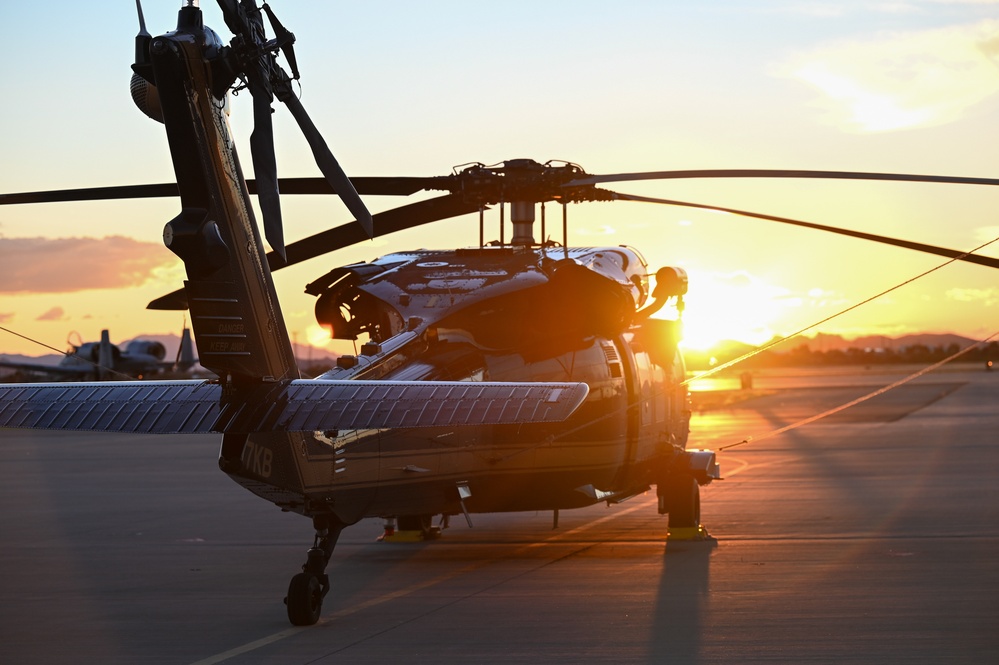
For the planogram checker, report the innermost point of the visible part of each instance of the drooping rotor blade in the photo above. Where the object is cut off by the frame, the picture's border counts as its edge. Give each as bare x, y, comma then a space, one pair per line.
327, 162
265, 168
919, 247
776, 173
384, 223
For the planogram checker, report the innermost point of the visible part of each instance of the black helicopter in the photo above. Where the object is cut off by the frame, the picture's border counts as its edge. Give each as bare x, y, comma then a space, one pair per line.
516, 375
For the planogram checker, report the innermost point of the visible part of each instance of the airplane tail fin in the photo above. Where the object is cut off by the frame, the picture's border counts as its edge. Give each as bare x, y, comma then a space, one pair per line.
185, 354
105, 357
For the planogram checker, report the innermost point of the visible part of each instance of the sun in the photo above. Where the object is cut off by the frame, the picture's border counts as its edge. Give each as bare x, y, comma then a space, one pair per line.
317, 335
730, 306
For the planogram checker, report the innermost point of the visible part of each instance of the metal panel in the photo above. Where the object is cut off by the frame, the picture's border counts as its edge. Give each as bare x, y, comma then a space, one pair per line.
168, 407
319, 405
173, 407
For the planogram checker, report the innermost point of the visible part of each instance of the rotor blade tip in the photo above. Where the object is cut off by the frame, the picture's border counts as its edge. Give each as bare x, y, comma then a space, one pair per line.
368, 225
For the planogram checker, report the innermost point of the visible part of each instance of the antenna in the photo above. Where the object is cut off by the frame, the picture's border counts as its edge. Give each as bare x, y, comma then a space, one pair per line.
143, 38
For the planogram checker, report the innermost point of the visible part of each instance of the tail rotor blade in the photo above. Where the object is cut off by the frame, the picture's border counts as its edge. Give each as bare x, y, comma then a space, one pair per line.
265, 168
285, 39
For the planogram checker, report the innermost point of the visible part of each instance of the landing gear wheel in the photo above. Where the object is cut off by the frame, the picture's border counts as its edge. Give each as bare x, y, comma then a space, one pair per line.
684, 501
309, 587
305, 599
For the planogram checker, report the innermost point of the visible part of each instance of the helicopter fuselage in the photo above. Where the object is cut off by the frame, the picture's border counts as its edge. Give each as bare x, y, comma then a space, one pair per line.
508, 314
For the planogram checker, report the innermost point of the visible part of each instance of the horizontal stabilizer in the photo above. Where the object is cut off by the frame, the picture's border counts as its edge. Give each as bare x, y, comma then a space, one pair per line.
146, 407
306, 405
191, 407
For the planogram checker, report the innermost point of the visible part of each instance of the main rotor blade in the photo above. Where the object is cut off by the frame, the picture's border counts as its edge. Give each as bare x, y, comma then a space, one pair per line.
384, 223
366, 185
328, 165
404, 186
92, 194
919, 247
777, 173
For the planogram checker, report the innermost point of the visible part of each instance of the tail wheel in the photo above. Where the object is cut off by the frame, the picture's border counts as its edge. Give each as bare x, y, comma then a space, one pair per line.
684, 501
305, 599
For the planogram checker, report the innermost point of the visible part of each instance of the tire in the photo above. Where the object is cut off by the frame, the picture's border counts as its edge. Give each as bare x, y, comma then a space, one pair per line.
684, 502
305, 599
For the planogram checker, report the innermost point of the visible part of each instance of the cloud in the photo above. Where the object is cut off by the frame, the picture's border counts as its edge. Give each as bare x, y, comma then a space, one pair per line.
600, 231
835, 9
54, 314
64, 265
840, 9
964, 2
987, 297
985, 234
6, 317
903, 80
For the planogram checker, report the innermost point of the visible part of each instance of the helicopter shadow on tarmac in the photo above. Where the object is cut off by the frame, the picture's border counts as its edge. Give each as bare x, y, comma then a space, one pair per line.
681, 602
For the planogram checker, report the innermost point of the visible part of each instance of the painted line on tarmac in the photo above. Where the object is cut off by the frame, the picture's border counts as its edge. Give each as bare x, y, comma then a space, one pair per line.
413, 588
746, 466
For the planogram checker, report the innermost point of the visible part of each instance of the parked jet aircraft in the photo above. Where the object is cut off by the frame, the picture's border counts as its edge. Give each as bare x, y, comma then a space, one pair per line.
103, 360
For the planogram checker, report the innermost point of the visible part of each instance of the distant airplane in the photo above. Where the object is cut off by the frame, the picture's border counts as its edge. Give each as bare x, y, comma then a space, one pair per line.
103, 360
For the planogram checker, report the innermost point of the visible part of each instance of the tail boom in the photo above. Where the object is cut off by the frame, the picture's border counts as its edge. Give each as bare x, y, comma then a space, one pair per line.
236, 316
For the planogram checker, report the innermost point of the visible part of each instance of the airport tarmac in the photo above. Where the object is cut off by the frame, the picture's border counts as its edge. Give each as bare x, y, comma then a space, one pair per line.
870, 536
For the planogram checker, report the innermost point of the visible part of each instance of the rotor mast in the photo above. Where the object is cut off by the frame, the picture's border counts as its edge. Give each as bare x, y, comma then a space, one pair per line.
522, 217
521, 207
523, 183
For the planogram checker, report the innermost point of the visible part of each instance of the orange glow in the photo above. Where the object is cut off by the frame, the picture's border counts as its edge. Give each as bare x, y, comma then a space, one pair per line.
735, 307
836, 98
317, 335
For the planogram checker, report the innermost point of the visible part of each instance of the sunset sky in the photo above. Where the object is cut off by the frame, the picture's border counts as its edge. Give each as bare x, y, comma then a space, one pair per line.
417, 88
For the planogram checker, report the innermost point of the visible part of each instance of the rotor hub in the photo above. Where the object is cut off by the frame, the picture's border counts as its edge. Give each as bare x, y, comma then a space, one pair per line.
522, 180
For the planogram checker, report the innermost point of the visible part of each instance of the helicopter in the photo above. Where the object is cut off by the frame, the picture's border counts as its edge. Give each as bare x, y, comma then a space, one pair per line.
101, 360
521, 374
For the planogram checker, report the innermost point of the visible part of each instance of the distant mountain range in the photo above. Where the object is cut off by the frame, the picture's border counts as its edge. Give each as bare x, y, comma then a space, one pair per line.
824, 349
824, 342
821, 345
